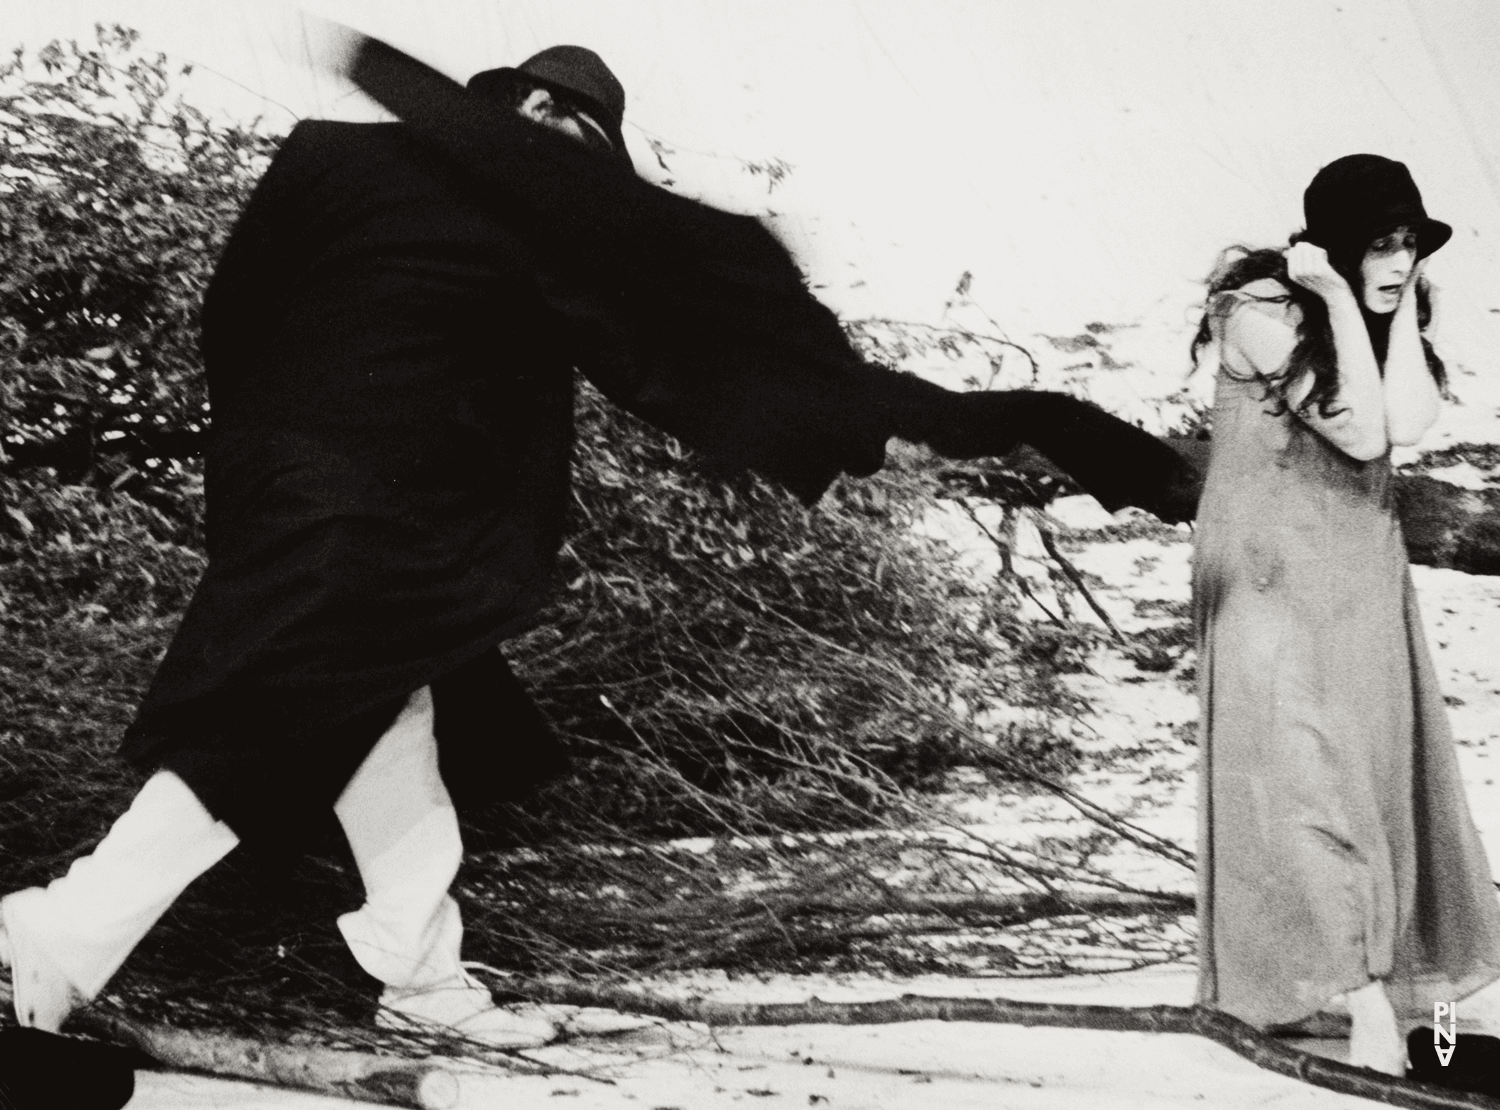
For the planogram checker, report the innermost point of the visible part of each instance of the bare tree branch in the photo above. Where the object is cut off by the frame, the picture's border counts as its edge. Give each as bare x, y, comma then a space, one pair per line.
1259, 1048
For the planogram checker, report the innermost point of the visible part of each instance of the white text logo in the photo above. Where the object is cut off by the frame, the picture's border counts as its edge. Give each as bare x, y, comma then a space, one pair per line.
1439, 1034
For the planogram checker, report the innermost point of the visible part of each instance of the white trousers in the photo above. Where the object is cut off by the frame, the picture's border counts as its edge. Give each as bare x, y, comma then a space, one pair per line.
400, 823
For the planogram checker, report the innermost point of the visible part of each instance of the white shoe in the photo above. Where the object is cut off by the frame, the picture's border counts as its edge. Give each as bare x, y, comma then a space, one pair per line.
463, 1005
43, 995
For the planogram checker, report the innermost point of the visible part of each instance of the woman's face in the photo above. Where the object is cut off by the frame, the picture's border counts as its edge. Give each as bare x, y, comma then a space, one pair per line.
1384, 270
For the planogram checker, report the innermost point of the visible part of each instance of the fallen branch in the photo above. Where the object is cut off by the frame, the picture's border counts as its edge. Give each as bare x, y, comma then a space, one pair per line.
1118, 825
424, 1086
1049, 542
416, 1084
1126, 830
1238, 1036
1010, 909
354, 1075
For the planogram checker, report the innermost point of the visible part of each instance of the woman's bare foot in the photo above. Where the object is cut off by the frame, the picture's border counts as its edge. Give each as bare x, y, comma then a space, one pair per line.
1375, 1041
1480, 1013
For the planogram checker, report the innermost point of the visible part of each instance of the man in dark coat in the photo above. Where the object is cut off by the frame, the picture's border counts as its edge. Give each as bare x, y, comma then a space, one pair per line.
390, 339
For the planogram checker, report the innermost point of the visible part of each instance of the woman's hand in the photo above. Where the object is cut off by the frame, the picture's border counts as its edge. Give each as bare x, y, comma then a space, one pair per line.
1307, 264
1353, 419
1409, 286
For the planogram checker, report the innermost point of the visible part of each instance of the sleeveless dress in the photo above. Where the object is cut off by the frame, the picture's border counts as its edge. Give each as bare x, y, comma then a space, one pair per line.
1335, 841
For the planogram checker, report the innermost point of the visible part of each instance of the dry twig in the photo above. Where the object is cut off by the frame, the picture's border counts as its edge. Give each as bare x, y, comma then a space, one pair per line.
419, 1085
1245, 1040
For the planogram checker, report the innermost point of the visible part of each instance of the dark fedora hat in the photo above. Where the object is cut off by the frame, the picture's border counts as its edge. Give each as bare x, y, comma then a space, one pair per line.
1358, 198
574, 72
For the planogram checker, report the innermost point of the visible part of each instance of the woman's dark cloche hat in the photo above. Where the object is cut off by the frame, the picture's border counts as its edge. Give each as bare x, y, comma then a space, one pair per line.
1358, 198
573, 71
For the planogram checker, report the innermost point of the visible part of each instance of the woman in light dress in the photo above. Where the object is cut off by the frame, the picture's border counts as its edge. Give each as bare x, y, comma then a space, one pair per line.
1337, 855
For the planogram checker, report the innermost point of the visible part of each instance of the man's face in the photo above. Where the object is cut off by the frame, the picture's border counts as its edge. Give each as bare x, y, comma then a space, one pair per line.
540, 106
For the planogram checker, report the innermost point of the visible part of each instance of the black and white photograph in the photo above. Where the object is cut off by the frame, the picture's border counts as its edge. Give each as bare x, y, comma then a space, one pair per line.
679, 554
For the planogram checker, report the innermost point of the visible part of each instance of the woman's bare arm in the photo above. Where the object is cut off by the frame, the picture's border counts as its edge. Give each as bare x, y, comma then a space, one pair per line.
1411, 394
1260, 336
1356, 420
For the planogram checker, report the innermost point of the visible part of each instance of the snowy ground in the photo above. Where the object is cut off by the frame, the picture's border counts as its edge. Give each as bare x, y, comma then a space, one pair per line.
1141, 759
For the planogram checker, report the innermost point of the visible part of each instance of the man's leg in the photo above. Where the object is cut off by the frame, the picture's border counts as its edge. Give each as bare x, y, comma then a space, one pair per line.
404, 833
64, 941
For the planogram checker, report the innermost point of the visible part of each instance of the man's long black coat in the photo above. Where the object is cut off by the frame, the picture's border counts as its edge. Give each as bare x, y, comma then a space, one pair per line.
389, 341
386, 475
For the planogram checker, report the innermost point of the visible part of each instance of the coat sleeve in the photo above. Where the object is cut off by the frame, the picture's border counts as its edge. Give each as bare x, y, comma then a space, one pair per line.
694, 319
263, 258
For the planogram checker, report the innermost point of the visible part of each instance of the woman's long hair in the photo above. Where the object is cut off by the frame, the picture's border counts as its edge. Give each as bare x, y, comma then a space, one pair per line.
1238, 266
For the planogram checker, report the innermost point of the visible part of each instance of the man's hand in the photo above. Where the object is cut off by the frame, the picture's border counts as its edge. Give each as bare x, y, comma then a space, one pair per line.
1176, 502
330, 46
1307, 264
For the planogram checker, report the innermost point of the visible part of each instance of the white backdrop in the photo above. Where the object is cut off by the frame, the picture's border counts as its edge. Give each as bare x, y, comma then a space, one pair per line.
1084, 159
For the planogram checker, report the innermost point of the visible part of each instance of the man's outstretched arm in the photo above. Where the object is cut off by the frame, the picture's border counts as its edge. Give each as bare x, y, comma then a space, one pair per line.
1114, 461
